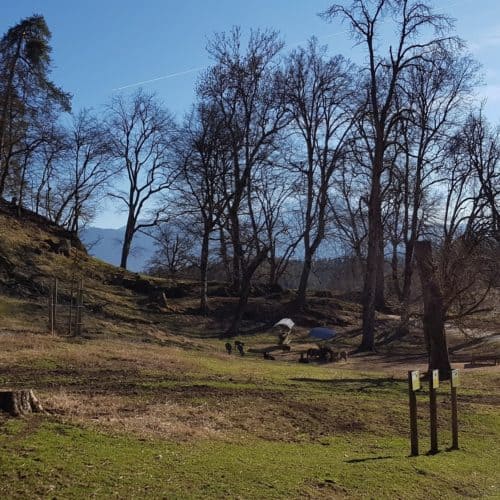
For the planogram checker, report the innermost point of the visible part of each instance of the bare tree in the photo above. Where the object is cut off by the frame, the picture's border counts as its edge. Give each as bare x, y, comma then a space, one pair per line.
276, 193
410, 19
51, 154
469, 241
90, 169
457, 279
318, 92
431, 101
243, 86
174, 251
204, 162
140, 133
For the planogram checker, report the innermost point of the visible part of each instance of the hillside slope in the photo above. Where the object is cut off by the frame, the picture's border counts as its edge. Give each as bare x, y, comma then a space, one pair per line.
124, 304
119, 302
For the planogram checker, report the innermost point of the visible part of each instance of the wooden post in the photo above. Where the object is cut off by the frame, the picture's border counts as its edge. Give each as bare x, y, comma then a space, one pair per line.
70, 320
413, 386
454, 409
79, 306
54, 307
51, 309
433, 385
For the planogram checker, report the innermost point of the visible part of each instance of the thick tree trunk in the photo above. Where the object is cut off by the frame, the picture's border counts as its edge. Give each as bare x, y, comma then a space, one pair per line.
395, 271
404, 325
434, 310
127, 242
19, 403
372, 275
240, 310
224, 255
204, 271
245, 292
236, 281
379, 288
304, 279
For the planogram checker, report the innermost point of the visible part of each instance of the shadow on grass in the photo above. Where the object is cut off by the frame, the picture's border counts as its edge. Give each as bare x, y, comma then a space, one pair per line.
365, 383
368, 459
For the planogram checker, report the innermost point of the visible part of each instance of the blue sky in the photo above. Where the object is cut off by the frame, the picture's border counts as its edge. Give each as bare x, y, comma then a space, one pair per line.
99, 46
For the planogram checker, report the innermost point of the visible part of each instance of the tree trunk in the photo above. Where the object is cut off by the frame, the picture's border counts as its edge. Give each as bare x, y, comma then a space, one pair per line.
434, 310
304, 278
379, 288
236, 283
240, 310
245, 292
372, 275
127, 242
223, 254
204, 271
19, 403
404, 326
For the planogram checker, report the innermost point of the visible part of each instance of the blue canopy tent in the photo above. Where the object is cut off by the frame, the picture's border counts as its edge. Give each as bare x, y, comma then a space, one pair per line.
320, 333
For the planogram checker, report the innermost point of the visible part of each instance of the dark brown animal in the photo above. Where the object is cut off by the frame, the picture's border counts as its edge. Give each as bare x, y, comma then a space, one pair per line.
303, 359
268, 356
229, 348
239, 345
313, 353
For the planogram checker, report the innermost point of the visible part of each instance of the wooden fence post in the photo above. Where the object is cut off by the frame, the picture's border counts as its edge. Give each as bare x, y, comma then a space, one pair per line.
79, 306
70, 318
51, 309
433, 385
454, 409
54, 307
413, 386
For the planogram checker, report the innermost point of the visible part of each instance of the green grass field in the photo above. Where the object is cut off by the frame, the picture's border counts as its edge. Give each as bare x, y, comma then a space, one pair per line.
134, 420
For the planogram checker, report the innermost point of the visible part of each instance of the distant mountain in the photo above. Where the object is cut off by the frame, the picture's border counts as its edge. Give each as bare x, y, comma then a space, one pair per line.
106, 244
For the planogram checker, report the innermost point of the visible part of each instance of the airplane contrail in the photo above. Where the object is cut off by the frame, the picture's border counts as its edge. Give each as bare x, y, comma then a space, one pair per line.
192, 70
164, 77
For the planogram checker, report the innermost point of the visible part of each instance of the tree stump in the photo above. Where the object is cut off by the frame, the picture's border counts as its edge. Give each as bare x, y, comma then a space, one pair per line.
19, 403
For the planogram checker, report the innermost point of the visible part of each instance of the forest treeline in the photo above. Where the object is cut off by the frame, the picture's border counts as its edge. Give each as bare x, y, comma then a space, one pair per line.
281, 152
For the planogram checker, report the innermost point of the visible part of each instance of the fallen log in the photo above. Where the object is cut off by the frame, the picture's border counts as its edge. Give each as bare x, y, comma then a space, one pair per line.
19, 403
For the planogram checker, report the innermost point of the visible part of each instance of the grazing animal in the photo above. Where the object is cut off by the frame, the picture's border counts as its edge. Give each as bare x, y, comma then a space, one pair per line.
327, 354
239, 346
313, 353
303, 359
323, 354
268, 356
343, 355
229, 348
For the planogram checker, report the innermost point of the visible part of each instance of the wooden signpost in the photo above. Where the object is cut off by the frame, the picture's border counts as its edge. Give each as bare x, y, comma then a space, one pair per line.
454, 410
413, 387
433, 385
